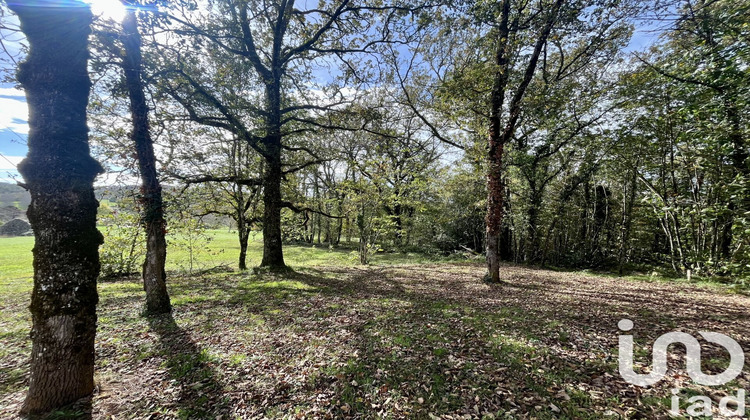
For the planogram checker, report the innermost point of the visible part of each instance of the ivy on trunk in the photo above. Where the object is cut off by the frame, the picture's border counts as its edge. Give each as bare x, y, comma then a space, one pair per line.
154, 274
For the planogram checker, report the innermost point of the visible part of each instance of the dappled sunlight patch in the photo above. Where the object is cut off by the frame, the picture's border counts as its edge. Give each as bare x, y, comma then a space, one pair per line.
279, 284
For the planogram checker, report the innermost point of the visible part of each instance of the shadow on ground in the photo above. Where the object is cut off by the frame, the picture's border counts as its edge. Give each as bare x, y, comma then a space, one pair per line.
200, 390
418, 341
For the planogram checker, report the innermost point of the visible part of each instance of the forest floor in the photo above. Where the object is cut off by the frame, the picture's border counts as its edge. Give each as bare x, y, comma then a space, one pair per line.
400, 341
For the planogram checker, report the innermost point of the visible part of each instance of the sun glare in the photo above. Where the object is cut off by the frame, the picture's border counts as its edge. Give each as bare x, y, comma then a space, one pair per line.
108, 9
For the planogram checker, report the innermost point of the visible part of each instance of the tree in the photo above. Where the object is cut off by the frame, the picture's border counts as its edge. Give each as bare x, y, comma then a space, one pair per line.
703, 67
547, 143
496, 50
272, 49
499, 135
222, 169
154, 273
398, 158
59, 172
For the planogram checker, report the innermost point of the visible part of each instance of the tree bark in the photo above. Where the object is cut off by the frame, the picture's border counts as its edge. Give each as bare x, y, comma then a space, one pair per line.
329, 233
533, 240
59, 173
243, 232
273, 255
154, 274
497, 138
627, 220
496, 146
364, 235
340, 227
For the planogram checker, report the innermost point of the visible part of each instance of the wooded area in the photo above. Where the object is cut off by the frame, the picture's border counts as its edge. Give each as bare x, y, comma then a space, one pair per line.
560, 134
363, 122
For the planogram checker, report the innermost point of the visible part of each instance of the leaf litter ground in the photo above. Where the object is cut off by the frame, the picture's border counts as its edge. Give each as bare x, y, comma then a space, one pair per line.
410, 341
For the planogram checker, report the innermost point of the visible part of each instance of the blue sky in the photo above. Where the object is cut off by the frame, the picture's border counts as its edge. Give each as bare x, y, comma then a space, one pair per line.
13, 110
13, 130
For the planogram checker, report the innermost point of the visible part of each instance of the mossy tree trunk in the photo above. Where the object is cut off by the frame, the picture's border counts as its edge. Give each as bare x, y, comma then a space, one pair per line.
273, 255
154, 274
59, 173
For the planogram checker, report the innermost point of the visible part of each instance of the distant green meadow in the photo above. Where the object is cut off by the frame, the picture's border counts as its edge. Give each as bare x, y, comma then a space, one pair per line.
221, 250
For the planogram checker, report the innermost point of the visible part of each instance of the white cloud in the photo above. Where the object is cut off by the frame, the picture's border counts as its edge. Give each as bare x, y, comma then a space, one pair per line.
12, 92
9, 163
13, 114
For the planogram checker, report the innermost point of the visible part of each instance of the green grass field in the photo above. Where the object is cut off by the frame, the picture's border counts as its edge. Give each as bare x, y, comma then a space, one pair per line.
15, 260
222, 250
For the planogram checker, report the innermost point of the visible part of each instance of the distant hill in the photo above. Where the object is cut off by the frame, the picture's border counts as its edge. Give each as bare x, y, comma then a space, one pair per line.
115, 193
14, 200
11, 195
9, 213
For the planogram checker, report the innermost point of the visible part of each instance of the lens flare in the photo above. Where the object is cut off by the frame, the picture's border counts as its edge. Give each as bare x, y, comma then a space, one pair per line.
108, 9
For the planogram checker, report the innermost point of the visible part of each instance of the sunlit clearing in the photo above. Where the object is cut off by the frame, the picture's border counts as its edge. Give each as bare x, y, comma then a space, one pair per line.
108, 9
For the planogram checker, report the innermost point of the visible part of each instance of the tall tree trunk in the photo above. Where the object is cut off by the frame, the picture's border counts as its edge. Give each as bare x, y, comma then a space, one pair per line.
600, 215
627, 220
154, 274
329, 233
243, 233
315, 225
363, 237
496, 146
497, 138
584, 231
307, 225
340, 227
59, 173
273, 254
533, 238
241, 205
319, 225
506, 244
